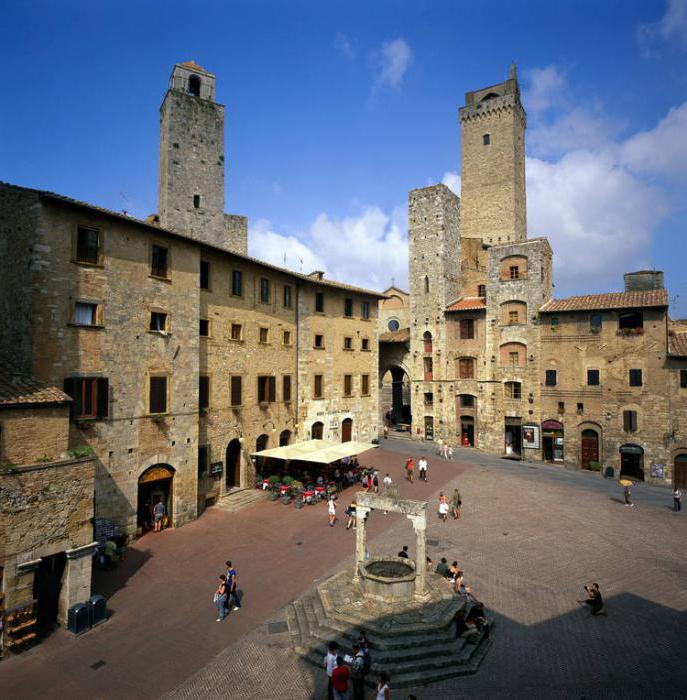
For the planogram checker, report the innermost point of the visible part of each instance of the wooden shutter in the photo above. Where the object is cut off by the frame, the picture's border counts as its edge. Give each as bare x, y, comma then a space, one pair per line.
236, 391
272, 389
158, 394
286, 388
203, 392
103, 398
69, 390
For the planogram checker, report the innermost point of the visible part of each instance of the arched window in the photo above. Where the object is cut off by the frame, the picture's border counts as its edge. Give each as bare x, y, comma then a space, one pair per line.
426, 284
427, 339
284, 438
513, 354
317, 430
261, 443
194, 85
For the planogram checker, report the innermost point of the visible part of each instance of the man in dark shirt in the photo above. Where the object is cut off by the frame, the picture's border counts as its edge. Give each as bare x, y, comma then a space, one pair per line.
442, 567
594, 599
404, 552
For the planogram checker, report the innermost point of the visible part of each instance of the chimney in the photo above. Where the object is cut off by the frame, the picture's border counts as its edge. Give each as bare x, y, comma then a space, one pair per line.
643, 280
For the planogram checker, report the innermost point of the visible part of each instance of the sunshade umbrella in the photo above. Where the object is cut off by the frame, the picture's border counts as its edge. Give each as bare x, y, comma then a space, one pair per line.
625, 482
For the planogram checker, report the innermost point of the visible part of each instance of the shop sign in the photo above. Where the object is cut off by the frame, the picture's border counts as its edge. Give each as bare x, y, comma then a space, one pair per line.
658, 471
216, 468
530, 437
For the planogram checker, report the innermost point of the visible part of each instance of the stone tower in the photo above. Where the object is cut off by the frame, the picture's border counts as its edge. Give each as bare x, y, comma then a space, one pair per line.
493, 123
191, 170
434, 255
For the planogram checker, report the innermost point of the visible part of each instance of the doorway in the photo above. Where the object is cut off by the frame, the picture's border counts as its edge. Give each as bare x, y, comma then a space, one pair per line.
429, 427
233, 464
513, 437
154, 485
317, 430
552, 441
346, 430
47, 583
632, 461
467, 431
589, 448
680, 472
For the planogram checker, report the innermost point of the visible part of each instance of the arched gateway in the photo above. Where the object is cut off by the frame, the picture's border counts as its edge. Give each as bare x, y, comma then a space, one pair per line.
155, 484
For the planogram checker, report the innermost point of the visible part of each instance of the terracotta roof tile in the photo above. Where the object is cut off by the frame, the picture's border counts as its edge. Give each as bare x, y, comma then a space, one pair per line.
402, 335
468, 304
614, 300
192, 65
17, 389
677, 344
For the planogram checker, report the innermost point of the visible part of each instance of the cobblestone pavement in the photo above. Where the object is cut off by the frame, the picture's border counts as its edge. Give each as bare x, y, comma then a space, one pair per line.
528, 541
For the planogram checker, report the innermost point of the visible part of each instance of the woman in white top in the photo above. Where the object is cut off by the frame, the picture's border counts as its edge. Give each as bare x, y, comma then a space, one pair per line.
331, 509
383, 686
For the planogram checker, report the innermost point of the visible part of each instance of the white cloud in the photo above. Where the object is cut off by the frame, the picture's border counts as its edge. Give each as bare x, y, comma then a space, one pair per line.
391, 62
671, 28
662, 150
344, 45
545, 87
286, 251
452, 180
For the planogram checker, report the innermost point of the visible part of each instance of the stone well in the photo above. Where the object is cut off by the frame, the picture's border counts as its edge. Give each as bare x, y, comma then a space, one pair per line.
387, 579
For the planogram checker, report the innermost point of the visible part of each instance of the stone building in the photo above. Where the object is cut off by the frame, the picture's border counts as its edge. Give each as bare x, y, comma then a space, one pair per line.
494, 361
183, 355
46, 510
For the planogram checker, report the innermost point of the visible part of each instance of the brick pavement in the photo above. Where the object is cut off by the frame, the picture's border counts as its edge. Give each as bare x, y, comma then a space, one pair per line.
528, 541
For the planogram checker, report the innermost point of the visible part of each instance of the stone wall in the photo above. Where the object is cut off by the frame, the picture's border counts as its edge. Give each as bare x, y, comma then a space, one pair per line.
33, 434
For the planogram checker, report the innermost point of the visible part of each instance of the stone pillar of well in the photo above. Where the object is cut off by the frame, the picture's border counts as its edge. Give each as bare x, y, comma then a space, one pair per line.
76, 580
420, 527
360, 516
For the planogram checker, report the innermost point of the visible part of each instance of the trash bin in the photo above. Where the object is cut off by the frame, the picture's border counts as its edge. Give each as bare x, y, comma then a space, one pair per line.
98, 609
78, 618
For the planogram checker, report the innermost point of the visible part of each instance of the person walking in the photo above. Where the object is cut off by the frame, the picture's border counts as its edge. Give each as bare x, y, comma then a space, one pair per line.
677, 500
440, 447
410, 466
350, 515
232, 589
449, 452
340, 676
383, 686
159, 512
456, 504
443, 507
375, 481
422, 468
220, 598
331, 511
628, 496
357, 662
386, 482
330, 665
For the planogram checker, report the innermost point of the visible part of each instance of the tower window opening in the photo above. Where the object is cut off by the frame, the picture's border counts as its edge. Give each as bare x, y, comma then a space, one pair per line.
426, 284
196, 201
194, 85
486, 139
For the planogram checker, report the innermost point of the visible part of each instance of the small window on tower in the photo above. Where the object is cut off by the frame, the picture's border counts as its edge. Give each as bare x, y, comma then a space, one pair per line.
194, 85
486, 139
196, 201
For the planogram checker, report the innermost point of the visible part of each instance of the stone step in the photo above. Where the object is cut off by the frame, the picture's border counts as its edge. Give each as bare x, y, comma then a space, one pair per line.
238, 499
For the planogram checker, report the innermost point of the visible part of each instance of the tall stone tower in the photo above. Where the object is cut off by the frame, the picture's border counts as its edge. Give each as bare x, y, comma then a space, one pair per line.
191, 168
434, 255
493, 123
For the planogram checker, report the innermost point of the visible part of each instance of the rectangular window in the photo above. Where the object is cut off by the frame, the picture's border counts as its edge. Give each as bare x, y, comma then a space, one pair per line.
236, 386
365, 309
319, 302
365, 384
514, 272
263, 336
429, 369
630, 421
481, 290
592, 377
203, 392
287, 296
513, 390
466, 368
348, 384
204, 274
237, 283
550, 377
158, 395
286, 388
158, 321
264, 290
365, 344
486, 139
318, 386
514, 358
85, 314
630, 322
554, 323
595, 323
467, 400
267, 389
635, 377
87, 245
467, 329
319, 341
348, 343
580, 408
90, 397
196, 201
158, 261
683, 378
236, 329
348, 308
203, 459
286, 338
513, 318
561, 407
429, 398
204, 327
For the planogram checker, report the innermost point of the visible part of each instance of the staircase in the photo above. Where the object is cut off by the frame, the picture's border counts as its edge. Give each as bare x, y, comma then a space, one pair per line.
411, 658
239, 498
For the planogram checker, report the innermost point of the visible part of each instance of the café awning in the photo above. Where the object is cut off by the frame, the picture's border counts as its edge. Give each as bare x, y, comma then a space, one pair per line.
320, 451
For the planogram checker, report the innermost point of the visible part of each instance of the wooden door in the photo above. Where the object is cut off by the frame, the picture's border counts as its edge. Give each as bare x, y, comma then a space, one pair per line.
680, 472
589, 451
346, 430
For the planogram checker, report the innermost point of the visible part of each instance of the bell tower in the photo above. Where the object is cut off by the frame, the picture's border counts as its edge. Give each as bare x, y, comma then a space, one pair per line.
493, 123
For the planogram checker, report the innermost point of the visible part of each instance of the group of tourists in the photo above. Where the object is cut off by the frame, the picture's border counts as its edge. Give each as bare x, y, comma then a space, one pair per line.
422, 466
227, 594
454, 505
445, 450
351, 670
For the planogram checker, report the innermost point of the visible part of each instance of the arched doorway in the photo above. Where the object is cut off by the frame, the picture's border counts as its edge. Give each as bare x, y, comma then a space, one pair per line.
233, 464
467, 430
317, 430
680, 471
632, 461
346, 429
589, 448
261, 442
427, 341
394, 397
154, 485
284, 438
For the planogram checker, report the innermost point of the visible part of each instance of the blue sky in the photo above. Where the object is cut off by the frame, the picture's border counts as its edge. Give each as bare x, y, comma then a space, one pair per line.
337, 109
